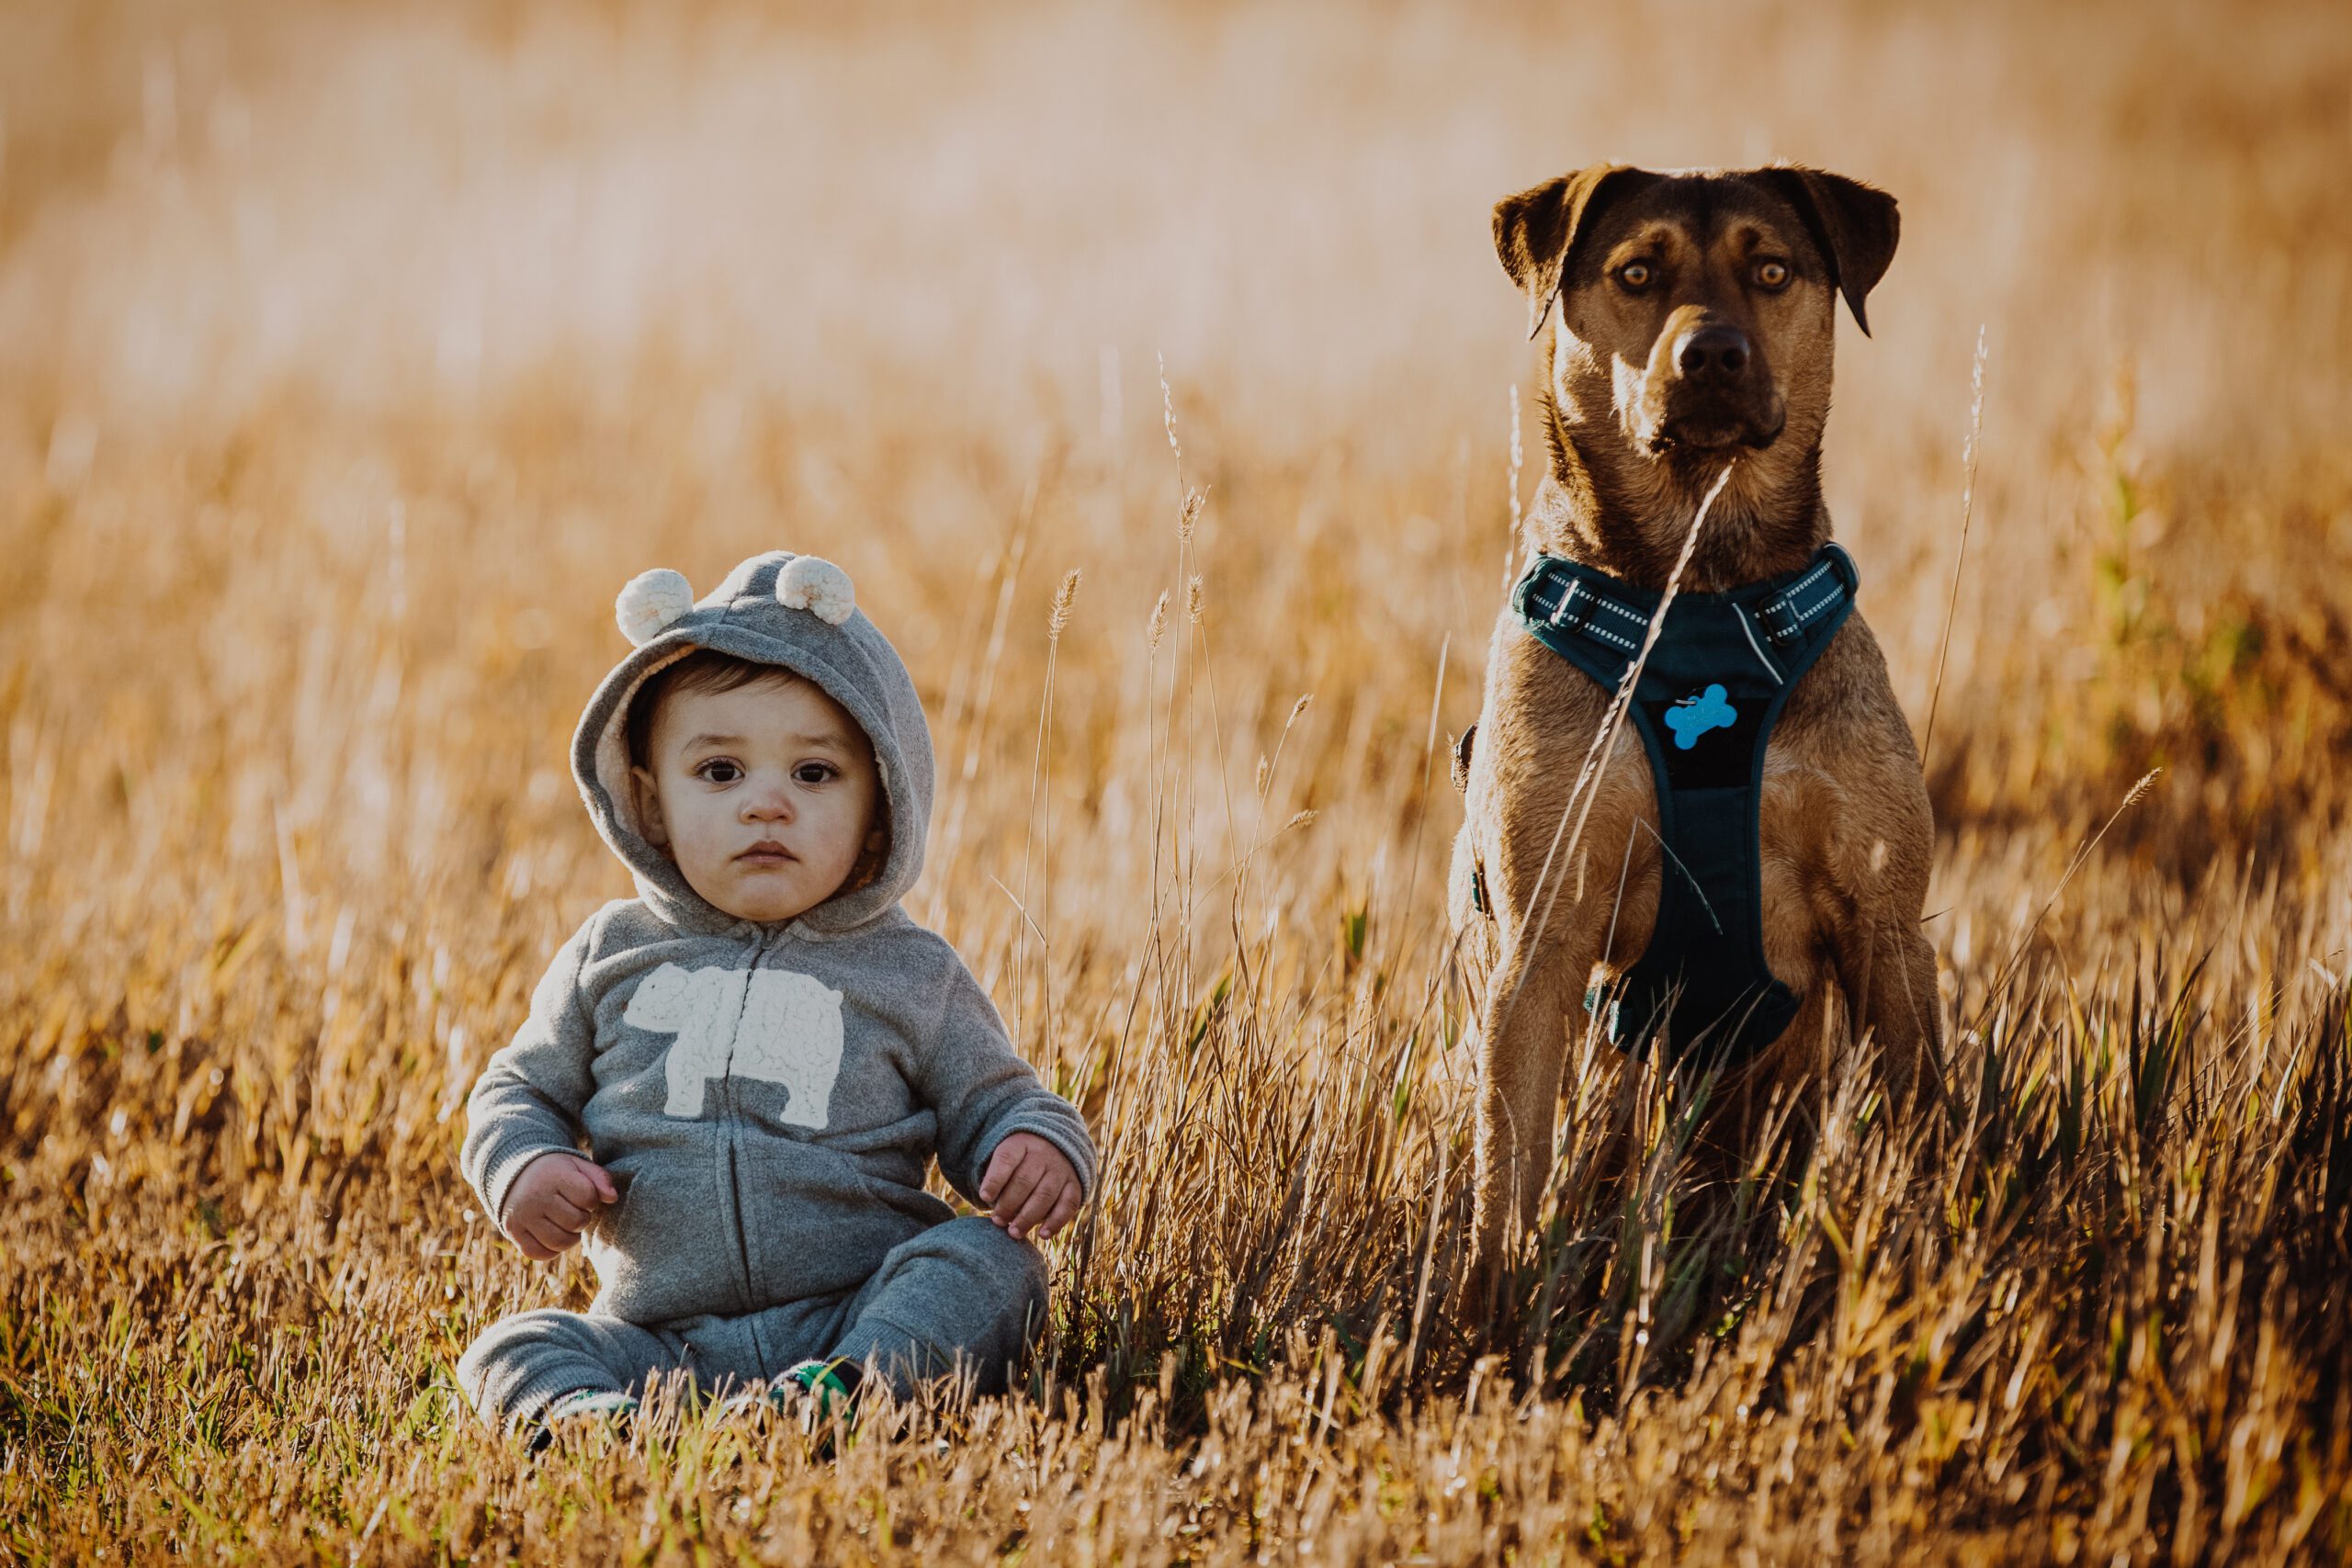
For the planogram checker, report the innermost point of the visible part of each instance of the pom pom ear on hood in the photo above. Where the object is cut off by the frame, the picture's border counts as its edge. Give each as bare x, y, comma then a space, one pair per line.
651, 601
817, 586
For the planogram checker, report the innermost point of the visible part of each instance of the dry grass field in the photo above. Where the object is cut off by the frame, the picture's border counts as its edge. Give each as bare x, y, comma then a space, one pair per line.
352, 357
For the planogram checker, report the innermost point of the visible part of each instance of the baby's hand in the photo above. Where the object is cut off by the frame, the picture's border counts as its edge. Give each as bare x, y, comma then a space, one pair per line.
1029, 1186
553, 1201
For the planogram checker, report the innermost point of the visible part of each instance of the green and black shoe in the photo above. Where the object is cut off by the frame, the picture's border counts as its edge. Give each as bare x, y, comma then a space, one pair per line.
810, 1395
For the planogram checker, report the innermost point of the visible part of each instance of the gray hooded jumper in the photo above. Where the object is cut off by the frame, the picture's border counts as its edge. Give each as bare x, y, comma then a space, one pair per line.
767, 1097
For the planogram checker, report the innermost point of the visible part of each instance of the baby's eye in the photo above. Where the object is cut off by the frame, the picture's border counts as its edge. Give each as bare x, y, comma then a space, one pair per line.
719, 771
816, 773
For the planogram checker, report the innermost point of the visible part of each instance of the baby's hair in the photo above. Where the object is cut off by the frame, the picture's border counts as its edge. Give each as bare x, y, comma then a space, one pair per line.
704, 670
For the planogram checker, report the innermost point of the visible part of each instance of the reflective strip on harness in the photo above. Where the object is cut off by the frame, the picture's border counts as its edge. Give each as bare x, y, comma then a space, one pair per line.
1709, 696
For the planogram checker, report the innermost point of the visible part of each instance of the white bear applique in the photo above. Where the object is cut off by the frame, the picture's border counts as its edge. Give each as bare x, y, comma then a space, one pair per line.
781, 1027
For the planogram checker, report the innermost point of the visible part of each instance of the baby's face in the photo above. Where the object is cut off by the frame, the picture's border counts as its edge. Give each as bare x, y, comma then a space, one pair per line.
766, 795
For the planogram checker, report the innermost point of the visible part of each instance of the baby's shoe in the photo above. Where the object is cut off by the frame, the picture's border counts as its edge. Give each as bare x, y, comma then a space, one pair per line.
810, 1395
581, 1410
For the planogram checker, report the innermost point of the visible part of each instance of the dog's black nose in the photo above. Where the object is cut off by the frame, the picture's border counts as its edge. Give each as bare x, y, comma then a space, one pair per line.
1712, 353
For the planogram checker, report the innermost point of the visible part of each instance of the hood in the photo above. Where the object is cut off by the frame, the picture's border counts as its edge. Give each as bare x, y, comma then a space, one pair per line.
795, 612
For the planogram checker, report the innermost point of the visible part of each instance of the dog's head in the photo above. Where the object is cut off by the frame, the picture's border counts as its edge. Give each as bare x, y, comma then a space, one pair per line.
1697, 309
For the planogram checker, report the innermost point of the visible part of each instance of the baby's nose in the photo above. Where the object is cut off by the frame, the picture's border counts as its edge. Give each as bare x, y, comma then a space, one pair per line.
770, 805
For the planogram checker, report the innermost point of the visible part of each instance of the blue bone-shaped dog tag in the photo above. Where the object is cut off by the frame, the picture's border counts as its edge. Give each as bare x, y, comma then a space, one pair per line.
1697, 714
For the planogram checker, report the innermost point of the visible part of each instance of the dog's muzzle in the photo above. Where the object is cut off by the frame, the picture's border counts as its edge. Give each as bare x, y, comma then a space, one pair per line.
1716, 394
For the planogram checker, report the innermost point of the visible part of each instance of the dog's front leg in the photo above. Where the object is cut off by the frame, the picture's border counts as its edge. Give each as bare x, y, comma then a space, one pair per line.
1887, 969
1522, 1045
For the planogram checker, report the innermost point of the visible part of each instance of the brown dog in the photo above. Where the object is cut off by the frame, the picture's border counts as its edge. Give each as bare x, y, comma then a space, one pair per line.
1694, 334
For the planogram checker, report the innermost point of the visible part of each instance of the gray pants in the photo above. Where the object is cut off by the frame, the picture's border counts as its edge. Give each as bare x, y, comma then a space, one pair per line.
963, 1297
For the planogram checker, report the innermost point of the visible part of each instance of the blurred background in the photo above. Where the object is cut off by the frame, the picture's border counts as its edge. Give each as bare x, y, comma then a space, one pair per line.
378, 209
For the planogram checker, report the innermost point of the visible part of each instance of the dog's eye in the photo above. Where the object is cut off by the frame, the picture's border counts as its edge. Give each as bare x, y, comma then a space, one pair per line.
1772, 275
1634, 275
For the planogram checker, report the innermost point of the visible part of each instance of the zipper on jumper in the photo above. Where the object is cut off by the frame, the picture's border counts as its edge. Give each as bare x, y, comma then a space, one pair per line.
731, 1125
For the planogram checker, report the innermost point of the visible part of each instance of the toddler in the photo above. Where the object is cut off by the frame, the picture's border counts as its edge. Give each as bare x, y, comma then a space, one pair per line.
762, 1050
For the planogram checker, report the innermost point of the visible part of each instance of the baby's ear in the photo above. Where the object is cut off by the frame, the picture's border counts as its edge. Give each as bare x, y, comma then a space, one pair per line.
873, 858
649, 806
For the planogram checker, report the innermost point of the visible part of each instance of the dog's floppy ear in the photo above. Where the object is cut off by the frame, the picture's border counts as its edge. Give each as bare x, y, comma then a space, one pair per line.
1853, 225
1537, 232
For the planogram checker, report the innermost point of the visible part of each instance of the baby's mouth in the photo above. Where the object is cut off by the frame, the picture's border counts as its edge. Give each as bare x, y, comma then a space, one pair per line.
766, 852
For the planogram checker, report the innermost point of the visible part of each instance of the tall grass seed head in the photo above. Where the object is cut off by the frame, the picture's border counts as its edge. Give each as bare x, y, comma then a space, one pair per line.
1064, 597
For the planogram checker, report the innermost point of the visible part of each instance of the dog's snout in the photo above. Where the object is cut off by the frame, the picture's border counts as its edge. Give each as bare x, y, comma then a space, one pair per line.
1716, 352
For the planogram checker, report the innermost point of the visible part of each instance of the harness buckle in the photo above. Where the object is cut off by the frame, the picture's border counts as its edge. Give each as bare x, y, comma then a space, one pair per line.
1781, 625
1567, 615
1785, 617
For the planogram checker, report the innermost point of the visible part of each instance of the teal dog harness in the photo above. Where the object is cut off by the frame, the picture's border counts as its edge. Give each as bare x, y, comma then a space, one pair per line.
1708, 698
